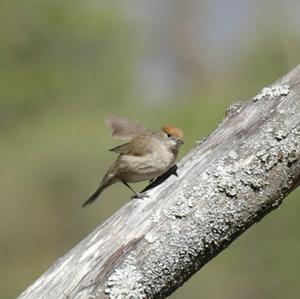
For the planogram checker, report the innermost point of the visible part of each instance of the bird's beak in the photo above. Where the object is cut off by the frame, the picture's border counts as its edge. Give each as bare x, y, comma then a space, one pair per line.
180, 142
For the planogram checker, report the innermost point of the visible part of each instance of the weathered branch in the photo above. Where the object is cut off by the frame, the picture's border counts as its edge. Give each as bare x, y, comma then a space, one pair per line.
225, 184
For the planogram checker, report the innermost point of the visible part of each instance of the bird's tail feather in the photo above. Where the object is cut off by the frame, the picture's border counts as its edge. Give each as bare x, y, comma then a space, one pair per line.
107, 180
93, 196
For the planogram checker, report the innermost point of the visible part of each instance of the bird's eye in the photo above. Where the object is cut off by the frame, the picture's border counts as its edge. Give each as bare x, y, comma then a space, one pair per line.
169, 135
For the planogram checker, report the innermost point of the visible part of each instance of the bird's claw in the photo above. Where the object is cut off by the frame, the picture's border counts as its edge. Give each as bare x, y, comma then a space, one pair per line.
140, 196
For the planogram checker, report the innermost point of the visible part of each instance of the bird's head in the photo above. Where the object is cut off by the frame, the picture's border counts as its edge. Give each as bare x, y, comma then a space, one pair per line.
171, 136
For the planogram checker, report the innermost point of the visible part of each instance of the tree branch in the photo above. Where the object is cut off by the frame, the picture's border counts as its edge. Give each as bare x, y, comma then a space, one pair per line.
151, 246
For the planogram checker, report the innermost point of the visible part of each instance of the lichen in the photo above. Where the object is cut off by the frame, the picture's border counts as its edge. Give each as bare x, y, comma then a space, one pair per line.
233, 155
234, 109
293, 156
155, 217
272, 92
181, 208
126, 281
151, 237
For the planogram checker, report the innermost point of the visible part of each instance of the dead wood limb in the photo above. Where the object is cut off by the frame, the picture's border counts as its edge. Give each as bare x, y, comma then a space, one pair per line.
151, 246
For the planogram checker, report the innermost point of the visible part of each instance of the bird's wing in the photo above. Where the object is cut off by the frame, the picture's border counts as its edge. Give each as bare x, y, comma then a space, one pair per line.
121, 149
136, 147
124, 128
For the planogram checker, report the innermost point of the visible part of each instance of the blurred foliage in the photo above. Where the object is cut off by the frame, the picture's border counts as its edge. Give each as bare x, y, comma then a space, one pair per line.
60, 52
63, 67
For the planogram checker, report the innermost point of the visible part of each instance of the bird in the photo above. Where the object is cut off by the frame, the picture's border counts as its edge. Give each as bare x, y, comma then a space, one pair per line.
145, 156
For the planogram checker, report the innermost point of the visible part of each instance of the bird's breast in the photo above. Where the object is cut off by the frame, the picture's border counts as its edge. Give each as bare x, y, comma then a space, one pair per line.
145, 167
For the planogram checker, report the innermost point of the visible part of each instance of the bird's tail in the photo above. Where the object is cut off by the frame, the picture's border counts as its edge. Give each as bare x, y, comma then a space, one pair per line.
94, 196
108, 179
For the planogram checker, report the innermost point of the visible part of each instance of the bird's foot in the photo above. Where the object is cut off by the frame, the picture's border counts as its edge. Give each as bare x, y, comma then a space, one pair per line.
140, 195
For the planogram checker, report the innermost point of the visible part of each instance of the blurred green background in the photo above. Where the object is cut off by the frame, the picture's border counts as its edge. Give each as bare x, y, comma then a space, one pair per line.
65, 65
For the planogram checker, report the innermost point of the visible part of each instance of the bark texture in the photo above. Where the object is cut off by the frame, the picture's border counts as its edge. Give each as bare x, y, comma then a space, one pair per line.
232, 179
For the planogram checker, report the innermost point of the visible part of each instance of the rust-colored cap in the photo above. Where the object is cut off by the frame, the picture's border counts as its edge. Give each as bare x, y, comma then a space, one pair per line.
173, 130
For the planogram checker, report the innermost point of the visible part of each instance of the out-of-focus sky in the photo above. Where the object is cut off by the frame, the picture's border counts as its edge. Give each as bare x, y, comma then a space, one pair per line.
212, 36
65, 65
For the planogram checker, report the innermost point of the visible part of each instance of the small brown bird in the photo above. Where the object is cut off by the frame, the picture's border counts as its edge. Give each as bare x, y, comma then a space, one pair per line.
146, 156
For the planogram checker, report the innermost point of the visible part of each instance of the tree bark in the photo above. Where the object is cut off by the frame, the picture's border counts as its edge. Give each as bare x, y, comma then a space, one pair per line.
151, 246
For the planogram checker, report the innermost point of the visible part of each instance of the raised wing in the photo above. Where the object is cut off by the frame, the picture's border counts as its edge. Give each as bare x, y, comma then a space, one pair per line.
138, 146
121, 149
124, 128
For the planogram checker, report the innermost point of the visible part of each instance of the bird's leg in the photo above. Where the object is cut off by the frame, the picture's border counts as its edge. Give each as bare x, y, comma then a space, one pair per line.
127, 185
136, 195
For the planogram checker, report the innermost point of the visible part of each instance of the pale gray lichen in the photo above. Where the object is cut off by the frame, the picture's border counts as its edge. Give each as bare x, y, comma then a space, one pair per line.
280, 134
176, 212
272, 92
228, 185
293, 156
234, 109
151, 237
126, 281
155, 217
233, 155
